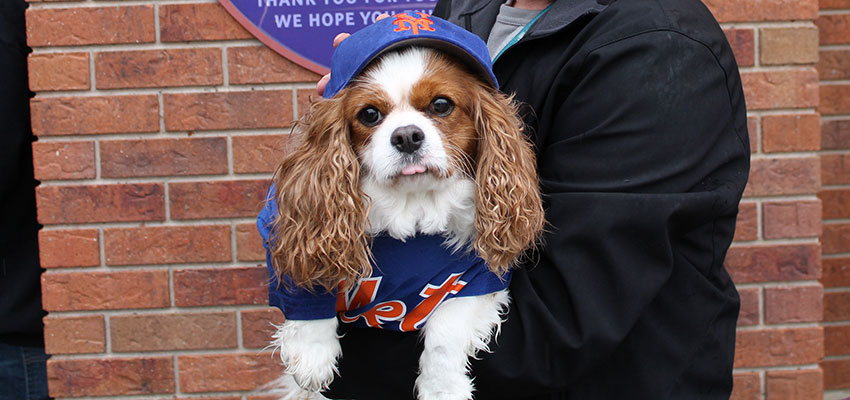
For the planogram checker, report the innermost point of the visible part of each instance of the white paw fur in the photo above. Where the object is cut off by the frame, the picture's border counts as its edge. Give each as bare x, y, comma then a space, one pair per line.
457, 330
309, 350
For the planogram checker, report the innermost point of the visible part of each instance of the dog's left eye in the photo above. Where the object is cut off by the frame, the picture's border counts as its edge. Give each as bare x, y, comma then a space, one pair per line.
441, 106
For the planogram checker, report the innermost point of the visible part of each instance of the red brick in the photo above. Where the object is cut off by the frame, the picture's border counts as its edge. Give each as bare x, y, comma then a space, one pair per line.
743, 45
163, 157
836, 306
221, 286
836, 272
835, 134
795, 132
775, 347
834, 64
104, 290
257, 327
167, 244
834, 99
796, 88
221, 199
263, 153
836, 238
195, 22
790, 304
834, 28
74, 335
762, 10
63, 160
249, 244
795, 45
773, 263
836, 340
59, 71
836, 203
94, 115
792, 219
771, 177
110, 377
746, 386
834, 4
259, 64
222, 398
753, 130
262, 397
100, 203
228, 110
835, 373
90, 25
835, 169
227, 372
158, 68
305, 99
797, 384
68, 248
746, 228
196, 331
749, 314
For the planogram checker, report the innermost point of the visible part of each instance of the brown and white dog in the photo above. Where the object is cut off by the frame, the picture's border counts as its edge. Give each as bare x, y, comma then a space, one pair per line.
415, 144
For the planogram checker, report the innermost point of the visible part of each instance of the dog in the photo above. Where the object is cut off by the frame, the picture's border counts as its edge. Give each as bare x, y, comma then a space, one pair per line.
416, 156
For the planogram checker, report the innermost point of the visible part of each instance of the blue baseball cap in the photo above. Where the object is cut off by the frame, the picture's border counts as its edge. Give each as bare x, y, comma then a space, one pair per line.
399, 30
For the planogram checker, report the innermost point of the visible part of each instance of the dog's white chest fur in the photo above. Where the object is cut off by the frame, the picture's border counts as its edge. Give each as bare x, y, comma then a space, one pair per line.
424, 205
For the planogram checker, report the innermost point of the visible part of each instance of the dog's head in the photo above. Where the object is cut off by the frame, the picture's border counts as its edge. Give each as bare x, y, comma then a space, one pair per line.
411, 119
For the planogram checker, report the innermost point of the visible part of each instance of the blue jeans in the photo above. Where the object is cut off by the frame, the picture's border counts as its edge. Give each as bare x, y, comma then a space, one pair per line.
23, 373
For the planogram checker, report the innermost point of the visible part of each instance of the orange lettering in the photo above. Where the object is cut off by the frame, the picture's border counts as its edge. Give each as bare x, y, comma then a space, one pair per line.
434, 296
404, 22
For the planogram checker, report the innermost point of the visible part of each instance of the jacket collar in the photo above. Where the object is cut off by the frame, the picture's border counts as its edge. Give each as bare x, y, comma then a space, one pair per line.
479, 16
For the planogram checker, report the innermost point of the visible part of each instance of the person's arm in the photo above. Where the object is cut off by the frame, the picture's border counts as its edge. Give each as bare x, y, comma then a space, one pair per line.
643, 167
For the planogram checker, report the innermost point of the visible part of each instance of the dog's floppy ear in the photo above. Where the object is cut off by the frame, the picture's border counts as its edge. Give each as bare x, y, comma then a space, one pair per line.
319, 235
509, 212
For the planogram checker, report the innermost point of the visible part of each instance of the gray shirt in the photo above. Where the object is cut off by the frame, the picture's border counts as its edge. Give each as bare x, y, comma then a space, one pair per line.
508, 23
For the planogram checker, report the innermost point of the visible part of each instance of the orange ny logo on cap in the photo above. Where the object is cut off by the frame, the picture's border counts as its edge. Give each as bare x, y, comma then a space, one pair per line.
405, 22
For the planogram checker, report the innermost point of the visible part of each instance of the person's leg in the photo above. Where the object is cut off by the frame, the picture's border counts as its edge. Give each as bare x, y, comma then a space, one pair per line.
23, 373
35, 362
12, 373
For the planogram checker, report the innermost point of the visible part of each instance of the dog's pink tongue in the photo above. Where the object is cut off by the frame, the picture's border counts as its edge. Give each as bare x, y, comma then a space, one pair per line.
413, 169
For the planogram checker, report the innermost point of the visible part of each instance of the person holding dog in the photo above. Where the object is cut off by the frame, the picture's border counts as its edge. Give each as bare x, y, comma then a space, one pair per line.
638, 117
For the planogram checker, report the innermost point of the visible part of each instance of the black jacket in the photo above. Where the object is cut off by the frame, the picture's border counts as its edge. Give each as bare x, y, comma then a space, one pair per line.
20, 295
638, 117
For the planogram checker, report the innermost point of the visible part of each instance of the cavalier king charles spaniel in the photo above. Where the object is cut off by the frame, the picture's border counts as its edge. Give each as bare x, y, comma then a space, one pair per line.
415, 145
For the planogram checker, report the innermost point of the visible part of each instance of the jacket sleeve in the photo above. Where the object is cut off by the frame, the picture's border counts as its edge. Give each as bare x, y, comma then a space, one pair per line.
642, 161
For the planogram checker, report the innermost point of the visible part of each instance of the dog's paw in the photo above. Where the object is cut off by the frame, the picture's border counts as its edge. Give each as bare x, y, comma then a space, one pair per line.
444, 387
309, 350
312, 364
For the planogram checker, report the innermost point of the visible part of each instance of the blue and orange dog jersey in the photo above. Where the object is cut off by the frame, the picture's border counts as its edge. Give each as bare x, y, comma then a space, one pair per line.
409, 280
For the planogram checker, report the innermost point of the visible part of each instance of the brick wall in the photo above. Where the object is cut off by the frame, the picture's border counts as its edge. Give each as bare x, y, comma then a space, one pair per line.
834, 69
158, 126
160, 121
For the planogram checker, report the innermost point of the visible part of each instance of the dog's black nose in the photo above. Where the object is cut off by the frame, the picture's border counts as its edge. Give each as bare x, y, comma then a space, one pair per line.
407, 139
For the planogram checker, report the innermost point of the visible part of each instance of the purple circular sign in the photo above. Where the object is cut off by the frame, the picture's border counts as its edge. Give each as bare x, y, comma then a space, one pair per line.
303, 30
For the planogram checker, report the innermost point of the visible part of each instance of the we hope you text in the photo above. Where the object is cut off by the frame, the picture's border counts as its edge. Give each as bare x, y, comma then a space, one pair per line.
295, 14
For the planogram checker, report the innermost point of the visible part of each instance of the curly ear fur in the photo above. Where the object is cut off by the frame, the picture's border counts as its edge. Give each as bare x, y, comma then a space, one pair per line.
509, 212
319, 233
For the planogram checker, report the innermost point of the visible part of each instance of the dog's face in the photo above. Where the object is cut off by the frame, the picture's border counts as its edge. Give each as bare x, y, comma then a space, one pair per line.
411, 117
415, 122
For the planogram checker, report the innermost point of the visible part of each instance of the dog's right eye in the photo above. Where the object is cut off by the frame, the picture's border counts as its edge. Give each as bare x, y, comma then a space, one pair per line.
370, 116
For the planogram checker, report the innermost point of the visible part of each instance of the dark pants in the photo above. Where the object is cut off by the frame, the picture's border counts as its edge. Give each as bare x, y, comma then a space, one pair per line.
23, 373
